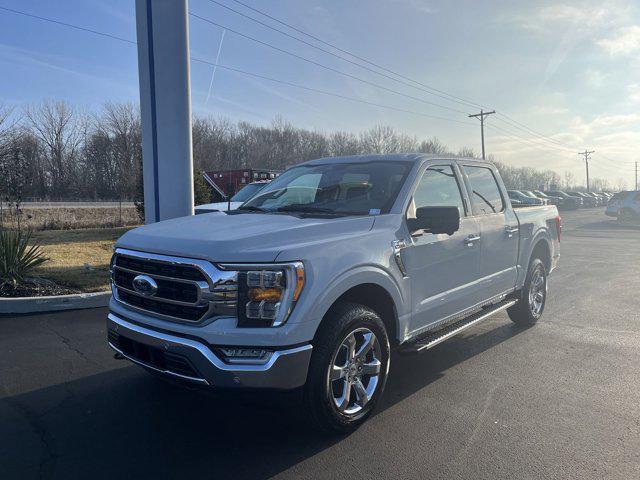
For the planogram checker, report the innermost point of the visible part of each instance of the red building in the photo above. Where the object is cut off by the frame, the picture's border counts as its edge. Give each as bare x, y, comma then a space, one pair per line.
229, 182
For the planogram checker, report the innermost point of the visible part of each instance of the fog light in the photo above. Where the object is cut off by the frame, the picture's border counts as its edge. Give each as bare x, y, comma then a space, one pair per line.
246, 355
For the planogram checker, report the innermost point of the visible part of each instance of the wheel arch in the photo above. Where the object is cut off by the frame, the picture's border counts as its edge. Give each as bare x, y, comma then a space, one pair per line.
541, 249
374, 290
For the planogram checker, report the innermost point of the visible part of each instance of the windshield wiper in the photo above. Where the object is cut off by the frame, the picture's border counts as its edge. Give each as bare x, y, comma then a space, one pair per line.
252, 208
305, 209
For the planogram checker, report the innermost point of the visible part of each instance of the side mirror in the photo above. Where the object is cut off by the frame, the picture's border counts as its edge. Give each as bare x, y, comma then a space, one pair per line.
435, 220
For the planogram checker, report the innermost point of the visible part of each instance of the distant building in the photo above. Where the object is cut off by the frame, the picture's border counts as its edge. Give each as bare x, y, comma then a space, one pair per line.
228, 182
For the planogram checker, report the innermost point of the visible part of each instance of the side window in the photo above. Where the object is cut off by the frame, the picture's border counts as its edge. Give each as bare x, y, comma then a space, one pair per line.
438, 188
485, 194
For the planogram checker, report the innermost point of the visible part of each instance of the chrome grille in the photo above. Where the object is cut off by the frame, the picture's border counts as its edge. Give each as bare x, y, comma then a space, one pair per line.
187, 290
165, 269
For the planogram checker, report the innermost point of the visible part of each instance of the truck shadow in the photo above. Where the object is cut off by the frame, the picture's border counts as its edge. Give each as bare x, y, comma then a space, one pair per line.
123, 423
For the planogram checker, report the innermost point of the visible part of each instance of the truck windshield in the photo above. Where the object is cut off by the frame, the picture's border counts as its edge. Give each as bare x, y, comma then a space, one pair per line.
363, 188
247, 192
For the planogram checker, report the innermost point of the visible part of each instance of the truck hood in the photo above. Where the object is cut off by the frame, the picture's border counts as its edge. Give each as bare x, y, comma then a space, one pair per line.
248, 237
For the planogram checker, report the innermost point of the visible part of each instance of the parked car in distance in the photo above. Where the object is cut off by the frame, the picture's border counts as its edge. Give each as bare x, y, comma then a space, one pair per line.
525, 200
629, 211
595, 196
312, 282
570, 202
244, 194
529, 193
613, 206
588, 201
557, 201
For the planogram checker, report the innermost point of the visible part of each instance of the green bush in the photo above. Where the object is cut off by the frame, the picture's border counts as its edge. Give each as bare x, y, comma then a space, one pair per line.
17, 258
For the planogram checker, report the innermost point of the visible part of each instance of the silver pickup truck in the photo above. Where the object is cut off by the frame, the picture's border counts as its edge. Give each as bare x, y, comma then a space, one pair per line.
312, 281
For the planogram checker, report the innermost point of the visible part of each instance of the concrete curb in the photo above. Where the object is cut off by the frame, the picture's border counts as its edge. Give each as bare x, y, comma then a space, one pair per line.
54, 303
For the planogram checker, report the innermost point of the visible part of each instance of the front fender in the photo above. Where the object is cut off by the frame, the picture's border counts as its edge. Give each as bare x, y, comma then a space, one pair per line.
363, 274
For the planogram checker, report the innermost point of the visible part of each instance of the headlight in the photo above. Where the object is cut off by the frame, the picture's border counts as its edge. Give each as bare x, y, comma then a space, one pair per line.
267, 292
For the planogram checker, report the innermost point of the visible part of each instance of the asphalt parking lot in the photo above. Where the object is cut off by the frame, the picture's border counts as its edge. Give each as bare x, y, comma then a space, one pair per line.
560, 400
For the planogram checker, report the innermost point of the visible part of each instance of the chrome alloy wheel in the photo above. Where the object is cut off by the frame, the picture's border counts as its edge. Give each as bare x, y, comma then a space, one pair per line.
355, 371
537, 291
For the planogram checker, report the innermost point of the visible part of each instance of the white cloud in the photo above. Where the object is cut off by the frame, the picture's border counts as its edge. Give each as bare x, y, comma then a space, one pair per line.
625, 42
548, 18
634, 92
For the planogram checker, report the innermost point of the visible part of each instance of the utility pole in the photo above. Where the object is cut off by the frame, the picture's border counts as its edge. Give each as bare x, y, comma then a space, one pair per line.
586, 154
481, 116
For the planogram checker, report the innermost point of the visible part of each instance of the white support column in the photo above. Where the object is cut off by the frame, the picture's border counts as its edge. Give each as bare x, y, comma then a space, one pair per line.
165, 103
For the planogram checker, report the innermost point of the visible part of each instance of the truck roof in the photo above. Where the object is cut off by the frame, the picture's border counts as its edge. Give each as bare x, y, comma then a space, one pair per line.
393, 157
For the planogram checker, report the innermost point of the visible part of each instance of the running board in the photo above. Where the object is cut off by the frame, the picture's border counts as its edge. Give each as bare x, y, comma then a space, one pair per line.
432, 339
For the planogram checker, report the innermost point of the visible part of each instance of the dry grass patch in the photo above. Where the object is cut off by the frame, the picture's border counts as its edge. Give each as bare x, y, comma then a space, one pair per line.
69, 218
79, 258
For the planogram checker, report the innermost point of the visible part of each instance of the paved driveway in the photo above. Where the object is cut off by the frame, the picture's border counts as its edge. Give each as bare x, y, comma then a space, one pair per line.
560, 400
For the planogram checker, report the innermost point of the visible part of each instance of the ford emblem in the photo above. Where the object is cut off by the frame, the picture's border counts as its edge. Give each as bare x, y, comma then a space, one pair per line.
145, 285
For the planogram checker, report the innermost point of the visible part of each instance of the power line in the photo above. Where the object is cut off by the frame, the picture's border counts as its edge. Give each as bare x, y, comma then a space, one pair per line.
530, 131
324, 92
326, 67
481, 116
115, 37
517, 137
369, 62
614, 162
341, 57
586, 155
501, 116
291, 84
50, 20
449, 97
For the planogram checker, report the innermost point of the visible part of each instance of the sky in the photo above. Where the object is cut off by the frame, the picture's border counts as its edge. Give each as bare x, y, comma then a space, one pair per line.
563, 76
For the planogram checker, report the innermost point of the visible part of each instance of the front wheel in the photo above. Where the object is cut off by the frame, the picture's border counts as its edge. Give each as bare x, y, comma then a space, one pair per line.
533, 296
349, 368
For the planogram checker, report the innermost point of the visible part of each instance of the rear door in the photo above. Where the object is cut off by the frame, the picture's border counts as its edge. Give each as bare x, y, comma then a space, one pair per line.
499, 233
443, 270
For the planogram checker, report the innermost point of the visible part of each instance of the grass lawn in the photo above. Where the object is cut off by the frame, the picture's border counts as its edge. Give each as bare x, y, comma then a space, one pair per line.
79, 258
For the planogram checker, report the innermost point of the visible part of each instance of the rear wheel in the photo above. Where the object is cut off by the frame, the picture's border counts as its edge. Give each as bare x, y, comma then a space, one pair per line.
349, 368
533, 296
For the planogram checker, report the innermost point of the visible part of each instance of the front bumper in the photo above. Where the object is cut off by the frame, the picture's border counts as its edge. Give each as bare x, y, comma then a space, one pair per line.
193, 361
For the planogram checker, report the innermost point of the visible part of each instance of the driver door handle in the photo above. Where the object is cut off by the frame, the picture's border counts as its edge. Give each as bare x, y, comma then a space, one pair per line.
471, 239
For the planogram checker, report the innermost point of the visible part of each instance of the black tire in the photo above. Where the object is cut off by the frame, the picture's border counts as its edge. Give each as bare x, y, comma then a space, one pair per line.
527, 311
340, 322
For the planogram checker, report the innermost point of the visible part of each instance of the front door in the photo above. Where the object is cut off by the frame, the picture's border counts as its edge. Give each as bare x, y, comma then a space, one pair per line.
498, 230
442, 269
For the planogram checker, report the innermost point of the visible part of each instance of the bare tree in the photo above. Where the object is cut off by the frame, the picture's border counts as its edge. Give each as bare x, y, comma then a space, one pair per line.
55, 126
343, 143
